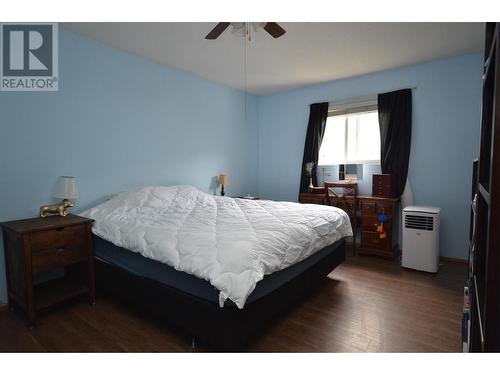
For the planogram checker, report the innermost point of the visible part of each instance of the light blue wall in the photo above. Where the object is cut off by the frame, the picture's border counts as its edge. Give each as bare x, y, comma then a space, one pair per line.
445, 138
119, 121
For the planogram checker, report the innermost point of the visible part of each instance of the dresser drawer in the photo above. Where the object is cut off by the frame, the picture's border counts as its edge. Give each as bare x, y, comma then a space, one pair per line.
312, 198
376, 208
317, 200
58, 238
57, 257
372, 239
369, 223
381, 191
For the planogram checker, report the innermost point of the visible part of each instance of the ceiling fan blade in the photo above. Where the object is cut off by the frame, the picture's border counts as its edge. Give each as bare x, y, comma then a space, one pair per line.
217, 30
274, 29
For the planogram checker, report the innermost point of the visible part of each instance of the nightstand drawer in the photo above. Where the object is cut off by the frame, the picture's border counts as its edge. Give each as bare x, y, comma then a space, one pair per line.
56, 257
58, 238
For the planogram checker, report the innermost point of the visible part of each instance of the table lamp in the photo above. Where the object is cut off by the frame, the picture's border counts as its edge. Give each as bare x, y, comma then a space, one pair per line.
222, 181
66, 190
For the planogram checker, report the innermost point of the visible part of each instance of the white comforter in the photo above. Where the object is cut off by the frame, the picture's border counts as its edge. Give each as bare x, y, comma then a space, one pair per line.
232, 243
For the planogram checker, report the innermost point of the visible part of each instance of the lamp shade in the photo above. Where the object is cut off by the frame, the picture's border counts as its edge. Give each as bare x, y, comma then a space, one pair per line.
222, 179
66, 188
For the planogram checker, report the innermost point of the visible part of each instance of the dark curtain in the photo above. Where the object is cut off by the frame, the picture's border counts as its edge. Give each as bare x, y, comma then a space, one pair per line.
314, 136
394, 115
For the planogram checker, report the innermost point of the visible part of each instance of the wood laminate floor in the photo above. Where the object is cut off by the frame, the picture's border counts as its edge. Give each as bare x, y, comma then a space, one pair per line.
366, 305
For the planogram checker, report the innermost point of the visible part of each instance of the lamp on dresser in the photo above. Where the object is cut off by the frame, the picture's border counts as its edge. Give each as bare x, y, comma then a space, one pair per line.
222, 182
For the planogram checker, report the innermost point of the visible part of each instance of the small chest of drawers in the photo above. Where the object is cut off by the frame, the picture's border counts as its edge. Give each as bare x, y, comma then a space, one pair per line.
383, 185
371, 243
57, 249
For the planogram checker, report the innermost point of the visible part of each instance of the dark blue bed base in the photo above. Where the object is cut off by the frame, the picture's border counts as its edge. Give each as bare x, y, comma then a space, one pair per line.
193, 304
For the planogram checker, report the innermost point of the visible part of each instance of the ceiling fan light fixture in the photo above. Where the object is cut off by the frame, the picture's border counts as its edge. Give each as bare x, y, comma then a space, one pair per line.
246, 28
258, 26
238, 28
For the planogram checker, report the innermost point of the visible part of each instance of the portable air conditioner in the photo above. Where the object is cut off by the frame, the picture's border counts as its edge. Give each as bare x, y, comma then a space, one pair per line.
421, 238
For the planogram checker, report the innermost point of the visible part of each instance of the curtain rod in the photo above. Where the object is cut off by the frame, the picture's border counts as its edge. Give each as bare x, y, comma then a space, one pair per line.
364, 97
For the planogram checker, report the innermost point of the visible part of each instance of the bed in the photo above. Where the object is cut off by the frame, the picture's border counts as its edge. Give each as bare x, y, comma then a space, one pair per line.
219, 268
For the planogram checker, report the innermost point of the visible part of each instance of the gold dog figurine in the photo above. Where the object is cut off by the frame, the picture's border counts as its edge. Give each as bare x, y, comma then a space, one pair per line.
57, 209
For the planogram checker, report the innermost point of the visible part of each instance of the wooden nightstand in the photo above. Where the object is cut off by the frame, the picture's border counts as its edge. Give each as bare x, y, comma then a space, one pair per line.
39, 246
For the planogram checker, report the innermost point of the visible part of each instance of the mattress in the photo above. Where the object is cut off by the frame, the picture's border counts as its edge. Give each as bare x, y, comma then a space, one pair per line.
231, 243
139, 265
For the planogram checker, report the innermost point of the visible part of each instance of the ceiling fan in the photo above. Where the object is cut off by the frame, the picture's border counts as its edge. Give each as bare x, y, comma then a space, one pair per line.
272, 28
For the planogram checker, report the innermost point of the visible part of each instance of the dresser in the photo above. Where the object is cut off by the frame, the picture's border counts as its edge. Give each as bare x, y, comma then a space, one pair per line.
48, 260
369, 208
371, 244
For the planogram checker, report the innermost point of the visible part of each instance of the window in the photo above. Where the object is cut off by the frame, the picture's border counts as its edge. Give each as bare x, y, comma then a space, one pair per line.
351, 137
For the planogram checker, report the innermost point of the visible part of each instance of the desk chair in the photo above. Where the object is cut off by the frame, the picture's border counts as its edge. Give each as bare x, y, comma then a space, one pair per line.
344, 195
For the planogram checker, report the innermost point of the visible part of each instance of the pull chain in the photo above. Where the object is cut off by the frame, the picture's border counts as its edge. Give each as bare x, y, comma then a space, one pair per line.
247, 34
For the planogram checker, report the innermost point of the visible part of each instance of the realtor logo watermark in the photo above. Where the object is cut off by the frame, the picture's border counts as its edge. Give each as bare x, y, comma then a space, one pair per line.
29, 57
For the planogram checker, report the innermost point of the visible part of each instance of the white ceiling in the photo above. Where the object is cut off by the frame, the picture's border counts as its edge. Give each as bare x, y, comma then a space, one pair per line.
308, 53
